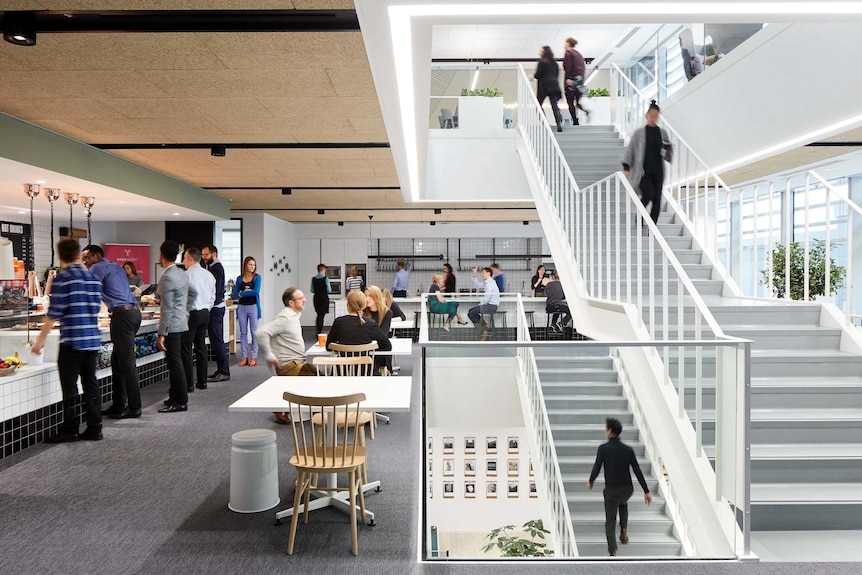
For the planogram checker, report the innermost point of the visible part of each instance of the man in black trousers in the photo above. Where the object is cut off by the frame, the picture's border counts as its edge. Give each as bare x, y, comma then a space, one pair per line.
617, 457
215, 330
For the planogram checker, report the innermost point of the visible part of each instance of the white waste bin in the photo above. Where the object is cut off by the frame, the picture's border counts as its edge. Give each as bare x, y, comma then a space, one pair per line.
253, 471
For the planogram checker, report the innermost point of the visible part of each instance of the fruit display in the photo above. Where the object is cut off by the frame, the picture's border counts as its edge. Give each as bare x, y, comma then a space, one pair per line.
10, 364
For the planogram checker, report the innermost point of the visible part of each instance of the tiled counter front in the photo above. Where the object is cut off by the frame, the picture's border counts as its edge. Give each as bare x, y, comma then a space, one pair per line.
31, 401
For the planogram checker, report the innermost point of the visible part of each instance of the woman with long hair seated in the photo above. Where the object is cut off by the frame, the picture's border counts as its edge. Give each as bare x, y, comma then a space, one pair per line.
437, 304
354, 329
377, 309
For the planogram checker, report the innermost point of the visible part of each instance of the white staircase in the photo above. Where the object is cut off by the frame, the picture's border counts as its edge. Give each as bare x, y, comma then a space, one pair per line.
580, 392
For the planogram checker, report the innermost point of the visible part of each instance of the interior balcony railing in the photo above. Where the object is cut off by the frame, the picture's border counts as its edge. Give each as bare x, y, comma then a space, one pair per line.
702, 503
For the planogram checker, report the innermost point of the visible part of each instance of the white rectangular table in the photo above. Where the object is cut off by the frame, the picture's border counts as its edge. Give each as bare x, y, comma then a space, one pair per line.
381, 394
397, 325
400, 346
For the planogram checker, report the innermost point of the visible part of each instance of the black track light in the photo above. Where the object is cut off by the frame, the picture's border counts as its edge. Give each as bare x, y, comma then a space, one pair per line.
286, 191
218, 151
340, 223
437, 211
19, 28
321, 212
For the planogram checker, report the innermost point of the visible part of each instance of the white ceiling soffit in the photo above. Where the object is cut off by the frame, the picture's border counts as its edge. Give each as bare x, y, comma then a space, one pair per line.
398, 38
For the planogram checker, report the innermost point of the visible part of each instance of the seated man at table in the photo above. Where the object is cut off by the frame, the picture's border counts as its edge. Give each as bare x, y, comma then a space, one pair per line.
280, 341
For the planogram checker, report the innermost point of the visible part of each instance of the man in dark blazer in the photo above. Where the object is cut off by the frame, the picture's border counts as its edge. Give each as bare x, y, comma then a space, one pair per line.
174, 293
617, 457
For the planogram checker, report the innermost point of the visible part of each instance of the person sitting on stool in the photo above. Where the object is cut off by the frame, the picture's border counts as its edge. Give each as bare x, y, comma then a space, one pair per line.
556, 304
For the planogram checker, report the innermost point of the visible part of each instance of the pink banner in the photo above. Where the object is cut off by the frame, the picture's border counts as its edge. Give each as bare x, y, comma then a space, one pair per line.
138, 254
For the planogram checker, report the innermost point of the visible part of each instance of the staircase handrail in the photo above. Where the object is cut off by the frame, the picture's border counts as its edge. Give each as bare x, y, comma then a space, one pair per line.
536, 413
706, 173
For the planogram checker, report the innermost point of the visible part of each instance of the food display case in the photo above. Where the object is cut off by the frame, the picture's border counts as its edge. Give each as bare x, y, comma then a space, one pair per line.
14, 304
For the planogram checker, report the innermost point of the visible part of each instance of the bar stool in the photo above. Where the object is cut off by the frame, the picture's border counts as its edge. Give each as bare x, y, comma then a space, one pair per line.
253, 471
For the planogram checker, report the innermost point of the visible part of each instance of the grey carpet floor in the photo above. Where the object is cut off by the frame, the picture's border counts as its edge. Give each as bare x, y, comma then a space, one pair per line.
152, 498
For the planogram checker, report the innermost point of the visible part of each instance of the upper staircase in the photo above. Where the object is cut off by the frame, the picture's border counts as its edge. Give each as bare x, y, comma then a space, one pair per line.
593, 152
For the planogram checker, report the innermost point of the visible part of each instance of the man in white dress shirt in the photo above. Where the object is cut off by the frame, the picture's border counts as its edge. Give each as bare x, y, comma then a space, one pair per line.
203, 283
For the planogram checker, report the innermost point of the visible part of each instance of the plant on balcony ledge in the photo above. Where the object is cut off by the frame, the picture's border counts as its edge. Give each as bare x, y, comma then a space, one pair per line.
517, 547
485, 92
816, 271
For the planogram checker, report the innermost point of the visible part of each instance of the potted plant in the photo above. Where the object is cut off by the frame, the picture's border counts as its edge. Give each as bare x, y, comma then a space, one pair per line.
599, 105
816, 271
516, 546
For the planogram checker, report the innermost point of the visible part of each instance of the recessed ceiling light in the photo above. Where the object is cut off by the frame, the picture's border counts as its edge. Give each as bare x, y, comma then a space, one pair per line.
176, 213
21, 212
40, 181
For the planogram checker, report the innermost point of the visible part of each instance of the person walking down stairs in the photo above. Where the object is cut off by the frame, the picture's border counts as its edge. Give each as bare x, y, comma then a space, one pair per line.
643, 163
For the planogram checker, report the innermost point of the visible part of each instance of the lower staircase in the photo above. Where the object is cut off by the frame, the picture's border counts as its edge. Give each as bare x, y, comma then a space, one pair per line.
580, 392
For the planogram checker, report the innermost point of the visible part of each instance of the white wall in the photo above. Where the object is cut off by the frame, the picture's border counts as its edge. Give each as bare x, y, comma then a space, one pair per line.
477, 166
476, 397
785, 82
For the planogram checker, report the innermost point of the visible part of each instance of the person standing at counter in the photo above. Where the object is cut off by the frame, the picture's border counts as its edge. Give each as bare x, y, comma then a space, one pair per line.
246, 290
132, 274
174, 294
449, 282
195, 340
215, 329
537, 283
125, 323
401, 281
321, 289
75, 302
499, 277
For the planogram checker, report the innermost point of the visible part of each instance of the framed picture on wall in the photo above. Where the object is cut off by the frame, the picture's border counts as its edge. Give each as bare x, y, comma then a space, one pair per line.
491, 468
469, 467
430, 467
512, 465
469, 489
448, 467
490, 445
448, 489
513, 443
469, 445
430, 445
430, 490
512, 489
533, 492
491, 489
531, 467
448, 445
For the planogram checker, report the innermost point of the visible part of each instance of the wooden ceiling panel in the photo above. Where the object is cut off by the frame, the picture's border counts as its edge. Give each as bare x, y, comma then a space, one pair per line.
359, 107
78, 84
119, 51
187, 107
372, 129
238, 83
103, 5
279, 51
35, 109
162, 130
350, 82
305, 155
272, 129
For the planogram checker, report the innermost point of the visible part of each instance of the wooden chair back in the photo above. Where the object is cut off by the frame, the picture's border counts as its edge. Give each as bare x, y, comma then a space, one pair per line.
330, 448
344, 366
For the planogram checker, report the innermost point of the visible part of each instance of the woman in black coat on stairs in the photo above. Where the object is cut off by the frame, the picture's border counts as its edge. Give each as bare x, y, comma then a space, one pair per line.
548, 83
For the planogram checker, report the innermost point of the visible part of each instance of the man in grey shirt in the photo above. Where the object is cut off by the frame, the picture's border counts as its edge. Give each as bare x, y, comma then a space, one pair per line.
174, 293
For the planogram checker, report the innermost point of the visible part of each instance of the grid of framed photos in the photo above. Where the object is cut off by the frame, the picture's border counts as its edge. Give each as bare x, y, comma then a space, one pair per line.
501, 464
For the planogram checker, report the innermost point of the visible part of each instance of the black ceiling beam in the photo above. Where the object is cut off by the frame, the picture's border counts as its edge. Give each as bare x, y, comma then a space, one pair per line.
493, 60
244, 146
848, 144
334, 210
83, 21
294, 188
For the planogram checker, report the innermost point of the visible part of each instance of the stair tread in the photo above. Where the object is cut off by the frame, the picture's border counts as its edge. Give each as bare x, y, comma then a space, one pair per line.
806, 492
796, 414
633, 538
806, 382
807, 451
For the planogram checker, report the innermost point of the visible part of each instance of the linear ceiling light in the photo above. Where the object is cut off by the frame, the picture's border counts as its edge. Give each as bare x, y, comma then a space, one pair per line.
475, 79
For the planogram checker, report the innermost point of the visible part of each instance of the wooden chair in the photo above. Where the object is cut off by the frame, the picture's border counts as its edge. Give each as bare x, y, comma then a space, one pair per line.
334, 451
366, 349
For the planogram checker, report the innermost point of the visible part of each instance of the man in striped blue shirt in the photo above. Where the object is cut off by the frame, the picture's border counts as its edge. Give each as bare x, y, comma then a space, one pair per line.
76, 296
